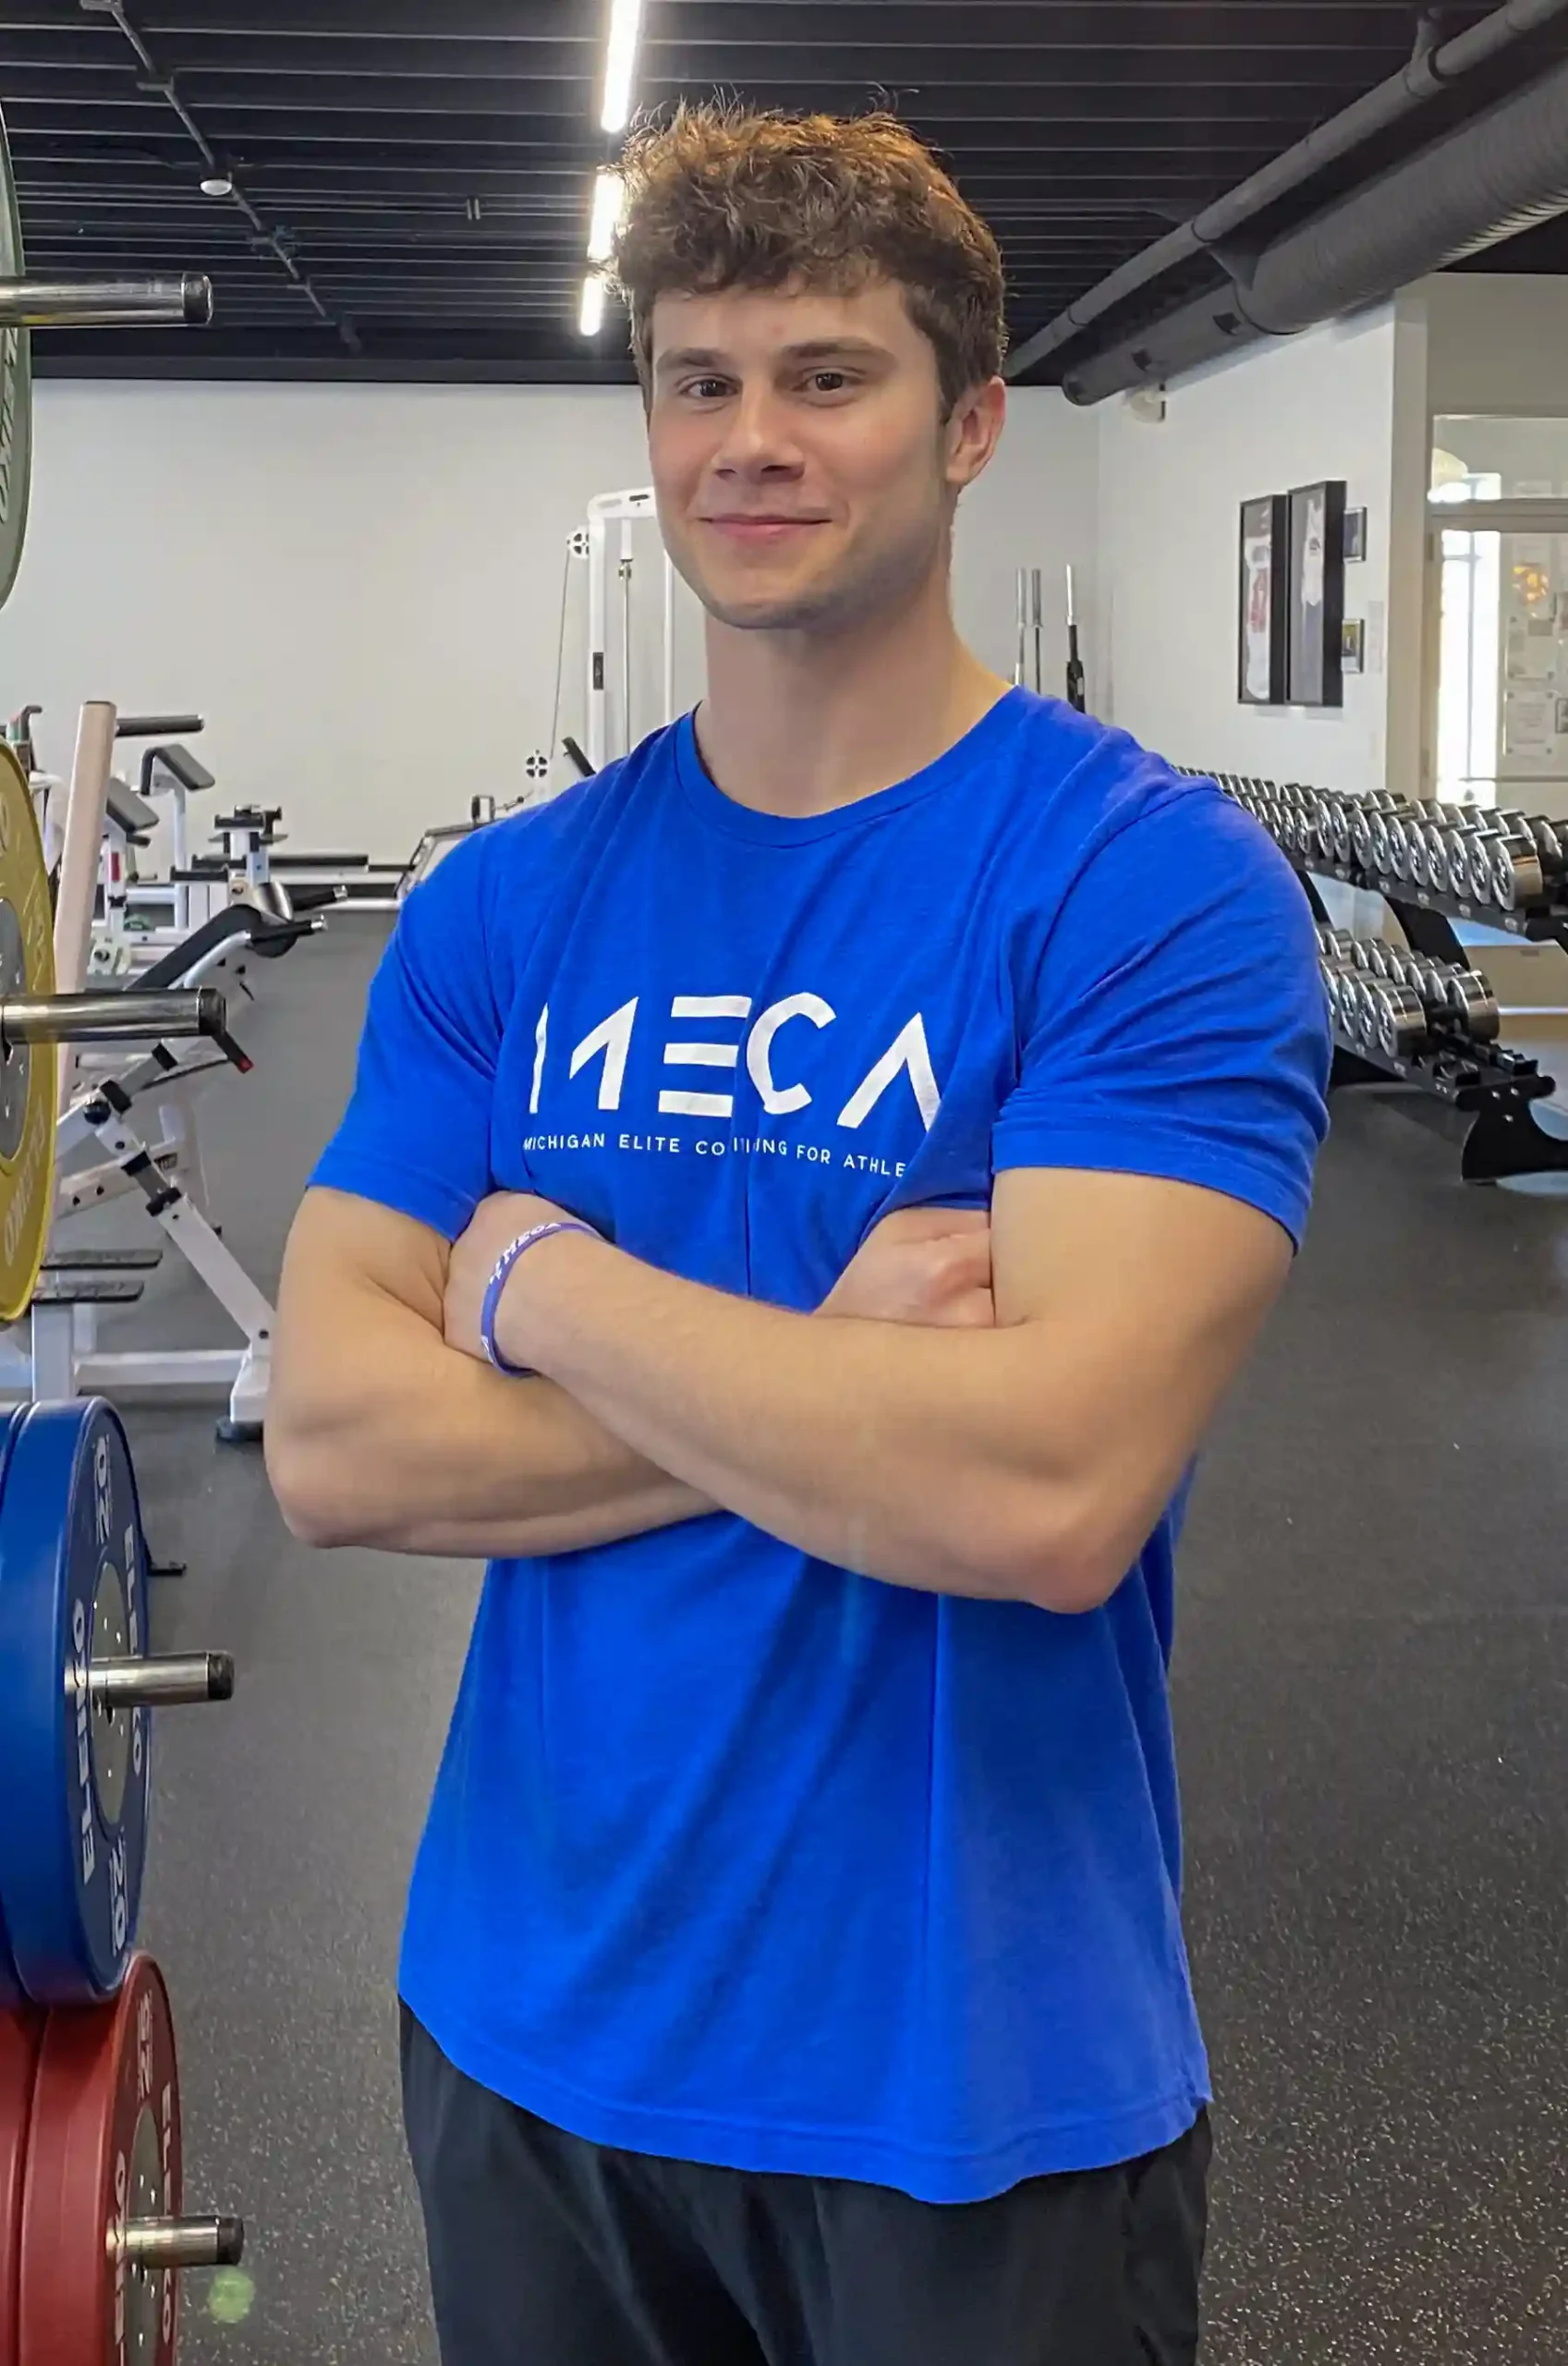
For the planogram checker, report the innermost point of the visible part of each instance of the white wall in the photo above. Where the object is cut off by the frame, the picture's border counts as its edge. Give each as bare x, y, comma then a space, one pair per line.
1345, 400
1498, 343
1037, 507
360, 587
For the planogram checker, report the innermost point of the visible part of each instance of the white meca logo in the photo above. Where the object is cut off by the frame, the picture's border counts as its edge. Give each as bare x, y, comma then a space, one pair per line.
908, 1055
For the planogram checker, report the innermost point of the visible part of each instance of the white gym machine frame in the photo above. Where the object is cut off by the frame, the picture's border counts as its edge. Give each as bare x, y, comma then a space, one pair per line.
53, 1352
628, 510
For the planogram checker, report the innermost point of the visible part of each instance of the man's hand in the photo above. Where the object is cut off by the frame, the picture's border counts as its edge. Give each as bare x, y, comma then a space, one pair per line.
497, 1223
924, 1265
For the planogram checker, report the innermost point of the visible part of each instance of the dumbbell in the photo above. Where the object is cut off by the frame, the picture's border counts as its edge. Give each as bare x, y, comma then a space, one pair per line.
93, 2238
1385, 960
1473, 1005
1426, 979
1429, 850
1399, 1020
1506, 866
1390, 1018
79, 1688
1339, 984
1457, 835
1382, 811
1454, 998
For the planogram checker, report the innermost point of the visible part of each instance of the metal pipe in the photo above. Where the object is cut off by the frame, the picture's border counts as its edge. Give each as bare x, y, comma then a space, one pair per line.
106, 303
162, 1683
111, 1017
1457, 196
1426, 75
626, 570
598, 653
160, 2245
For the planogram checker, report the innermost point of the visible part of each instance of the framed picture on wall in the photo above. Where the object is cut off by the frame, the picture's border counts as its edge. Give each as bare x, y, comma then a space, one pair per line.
1265, 609
1316, 595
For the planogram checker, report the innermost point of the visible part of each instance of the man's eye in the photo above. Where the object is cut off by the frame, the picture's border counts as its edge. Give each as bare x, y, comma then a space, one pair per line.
708, 389
830, 382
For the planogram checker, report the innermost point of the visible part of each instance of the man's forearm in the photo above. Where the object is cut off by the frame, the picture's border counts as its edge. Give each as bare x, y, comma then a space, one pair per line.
899, 1452
417, 1449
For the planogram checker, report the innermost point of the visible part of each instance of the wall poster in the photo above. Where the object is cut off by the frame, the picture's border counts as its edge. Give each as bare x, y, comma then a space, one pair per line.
1316, 595
1265, 609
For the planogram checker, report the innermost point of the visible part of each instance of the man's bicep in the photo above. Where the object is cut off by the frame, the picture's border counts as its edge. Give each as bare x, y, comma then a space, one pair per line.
1144, 1298
341, 1244
417, 1133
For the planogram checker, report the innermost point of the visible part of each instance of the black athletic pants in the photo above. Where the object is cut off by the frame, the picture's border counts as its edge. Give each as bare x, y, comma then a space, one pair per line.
548, 2251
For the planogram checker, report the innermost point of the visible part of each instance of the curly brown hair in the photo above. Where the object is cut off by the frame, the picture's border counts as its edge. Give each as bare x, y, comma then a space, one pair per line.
729, 197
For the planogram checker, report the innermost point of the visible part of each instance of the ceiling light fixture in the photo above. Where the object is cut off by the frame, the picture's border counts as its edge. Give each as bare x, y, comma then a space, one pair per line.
609, 199
592, 316
621, 61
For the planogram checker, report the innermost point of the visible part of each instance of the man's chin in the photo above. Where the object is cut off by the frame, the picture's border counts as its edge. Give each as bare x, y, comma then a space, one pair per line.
775, 610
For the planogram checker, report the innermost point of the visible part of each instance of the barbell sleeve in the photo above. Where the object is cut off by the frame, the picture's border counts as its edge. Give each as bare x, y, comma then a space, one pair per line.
171, 2244
111, 1017
161, 1683
184, 303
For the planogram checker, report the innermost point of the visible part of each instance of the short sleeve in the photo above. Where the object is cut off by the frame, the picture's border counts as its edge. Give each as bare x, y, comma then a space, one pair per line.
416, 1135
1178, 1026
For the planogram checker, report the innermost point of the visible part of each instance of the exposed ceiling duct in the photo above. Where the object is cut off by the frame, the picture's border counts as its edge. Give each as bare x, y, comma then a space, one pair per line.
1500, 173
1437, 68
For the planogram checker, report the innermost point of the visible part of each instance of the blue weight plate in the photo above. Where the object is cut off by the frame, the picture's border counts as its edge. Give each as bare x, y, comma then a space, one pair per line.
73, 1587
11, 1996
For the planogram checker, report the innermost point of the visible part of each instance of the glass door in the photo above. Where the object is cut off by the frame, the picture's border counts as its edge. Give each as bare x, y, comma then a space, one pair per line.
1498, 642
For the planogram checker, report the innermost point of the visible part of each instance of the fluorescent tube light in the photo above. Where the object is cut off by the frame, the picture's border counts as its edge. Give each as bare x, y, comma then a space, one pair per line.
593, 318
620, 65
609, 197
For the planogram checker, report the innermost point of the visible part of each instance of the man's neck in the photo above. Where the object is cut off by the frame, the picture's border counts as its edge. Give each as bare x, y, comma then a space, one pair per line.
804, 723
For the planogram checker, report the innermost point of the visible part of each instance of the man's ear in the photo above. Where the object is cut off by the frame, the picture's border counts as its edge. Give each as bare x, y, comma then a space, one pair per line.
973, 431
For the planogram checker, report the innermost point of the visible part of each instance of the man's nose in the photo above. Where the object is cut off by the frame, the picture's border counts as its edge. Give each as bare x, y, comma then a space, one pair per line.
757, 440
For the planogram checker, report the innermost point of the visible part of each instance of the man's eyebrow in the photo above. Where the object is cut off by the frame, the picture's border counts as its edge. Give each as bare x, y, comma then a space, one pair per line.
827, 348
691, 356
834, 348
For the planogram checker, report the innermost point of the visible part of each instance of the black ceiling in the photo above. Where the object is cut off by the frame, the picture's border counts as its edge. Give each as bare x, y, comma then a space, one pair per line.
416, 173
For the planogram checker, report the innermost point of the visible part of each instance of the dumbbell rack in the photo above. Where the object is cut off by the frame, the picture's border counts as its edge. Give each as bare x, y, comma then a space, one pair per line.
1327, 836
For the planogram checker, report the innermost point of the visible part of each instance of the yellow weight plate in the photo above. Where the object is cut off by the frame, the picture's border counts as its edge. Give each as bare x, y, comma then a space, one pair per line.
29, 1086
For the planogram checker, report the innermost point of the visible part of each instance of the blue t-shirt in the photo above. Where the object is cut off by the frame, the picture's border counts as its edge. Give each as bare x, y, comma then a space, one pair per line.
735, 1857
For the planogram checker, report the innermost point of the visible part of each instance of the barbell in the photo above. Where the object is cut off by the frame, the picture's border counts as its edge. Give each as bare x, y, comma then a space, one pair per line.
30, 304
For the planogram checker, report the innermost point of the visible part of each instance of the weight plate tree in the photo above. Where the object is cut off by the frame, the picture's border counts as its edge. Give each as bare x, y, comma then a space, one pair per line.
92, 2237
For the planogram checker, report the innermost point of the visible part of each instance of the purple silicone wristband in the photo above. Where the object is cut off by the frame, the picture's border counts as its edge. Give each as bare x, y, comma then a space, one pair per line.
499, 1280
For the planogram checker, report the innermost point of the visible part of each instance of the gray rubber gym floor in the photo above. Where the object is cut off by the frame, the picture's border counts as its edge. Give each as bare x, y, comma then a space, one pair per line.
1372, 1687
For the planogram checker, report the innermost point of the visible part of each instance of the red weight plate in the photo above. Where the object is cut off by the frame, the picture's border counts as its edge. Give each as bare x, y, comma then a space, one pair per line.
104, 2150
19, 2035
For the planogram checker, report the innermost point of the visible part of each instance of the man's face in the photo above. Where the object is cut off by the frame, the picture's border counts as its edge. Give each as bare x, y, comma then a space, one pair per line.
805, 471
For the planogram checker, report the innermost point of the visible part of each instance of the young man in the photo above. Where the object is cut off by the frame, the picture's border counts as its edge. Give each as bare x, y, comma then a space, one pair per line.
806, 1194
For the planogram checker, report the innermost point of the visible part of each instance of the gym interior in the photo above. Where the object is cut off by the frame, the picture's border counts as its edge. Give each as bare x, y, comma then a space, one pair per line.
325, 542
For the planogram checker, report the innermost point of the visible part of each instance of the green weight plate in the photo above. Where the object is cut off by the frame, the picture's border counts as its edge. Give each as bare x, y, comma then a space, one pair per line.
15, 391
